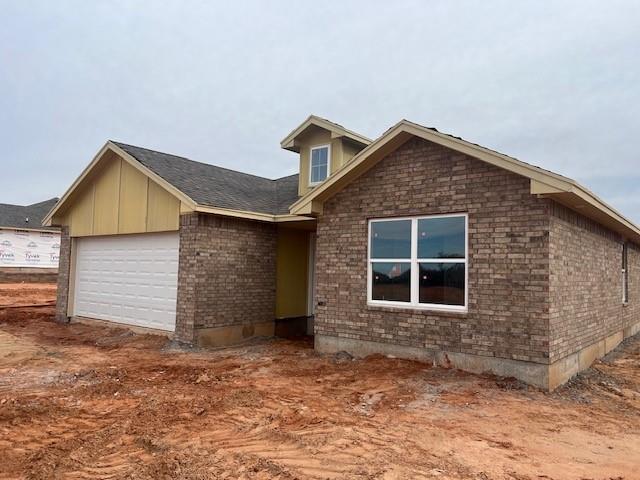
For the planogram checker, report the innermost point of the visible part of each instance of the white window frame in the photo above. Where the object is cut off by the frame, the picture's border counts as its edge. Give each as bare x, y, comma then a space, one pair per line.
318, 147
625, 273
415, 304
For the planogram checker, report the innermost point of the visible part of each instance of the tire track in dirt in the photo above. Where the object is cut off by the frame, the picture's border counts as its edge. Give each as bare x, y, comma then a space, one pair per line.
53, 443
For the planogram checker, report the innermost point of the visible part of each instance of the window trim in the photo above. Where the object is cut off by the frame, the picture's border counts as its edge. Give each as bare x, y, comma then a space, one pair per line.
415, 304
318, 147
625, 273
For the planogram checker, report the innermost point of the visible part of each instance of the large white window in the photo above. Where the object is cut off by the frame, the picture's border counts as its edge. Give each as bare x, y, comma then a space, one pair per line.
319, 164
419, 262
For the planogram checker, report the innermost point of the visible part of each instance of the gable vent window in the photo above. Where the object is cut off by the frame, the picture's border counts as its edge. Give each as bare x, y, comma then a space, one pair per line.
320, 163
625, 273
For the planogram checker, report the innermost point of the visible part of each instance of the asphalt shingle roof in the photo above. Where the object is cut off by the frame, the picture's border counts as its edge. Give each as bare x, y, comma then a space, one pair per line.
16, 216
217, 186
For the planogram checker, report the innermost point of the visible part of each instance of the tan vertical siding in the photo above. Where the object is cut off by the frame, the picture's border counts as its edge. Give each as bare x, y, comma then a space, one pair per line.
292, 262
349, 150
107, 198
336, 155
163, 209
80, 218
311, 139
133, 198
342, 151
117, 199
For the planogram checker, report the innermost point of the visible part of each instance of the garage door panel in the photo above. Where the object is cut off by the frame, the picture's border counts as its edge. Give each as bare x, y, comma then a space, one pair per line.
128, 279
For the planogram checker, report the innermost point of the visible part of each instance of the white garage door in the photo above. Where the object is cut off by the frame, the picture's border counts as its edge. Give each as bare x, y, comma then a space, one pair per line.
130, 279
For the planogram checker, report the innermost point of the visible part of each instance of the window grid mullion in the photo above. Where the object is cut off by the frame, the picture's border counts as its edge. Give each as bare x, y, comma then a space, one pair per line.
415, 291
391, 260
442, 260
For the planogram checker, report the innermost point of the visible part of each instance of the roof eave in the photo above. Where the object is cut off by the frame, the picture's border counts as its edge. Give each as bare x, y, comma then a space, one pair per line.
543, 182
248, 215
109, 145
31, 229
47, 220
289, 142
584, 202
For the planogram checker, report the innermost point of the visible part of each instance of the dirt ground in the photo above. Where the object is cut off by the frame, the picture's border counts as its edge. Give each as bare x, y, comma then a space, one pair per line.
80, 401
16, 294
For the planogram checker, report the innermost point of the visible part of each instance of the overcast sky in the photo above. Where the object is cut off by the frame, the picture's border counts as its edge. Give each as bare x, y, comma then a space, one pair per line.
556, 84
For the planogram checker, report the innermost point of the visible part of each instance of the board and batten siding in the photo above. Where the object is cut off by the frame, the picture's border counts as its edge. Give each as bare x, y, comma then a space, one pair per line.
341, 152
119, 199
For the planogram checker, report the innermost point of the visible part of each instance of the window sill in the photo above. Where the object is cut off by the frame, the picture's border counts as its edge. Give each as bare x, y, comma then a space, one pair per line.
417, 309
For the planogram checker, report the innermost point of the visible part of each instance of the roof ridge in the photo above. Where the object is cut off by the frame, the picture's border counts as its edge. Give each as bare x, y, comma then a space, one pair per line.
15, 205
214, 185
326, 124
12, 205
286, 176
341, 126
52, 199
15, 216
487, 148
196, 161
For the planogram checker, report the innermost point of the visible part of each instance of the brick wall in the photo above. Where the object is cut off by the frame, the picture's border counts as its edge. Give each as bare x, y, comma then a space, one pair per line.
227, 273
586, 283
62, 296
508, 255
631, 312
28, 275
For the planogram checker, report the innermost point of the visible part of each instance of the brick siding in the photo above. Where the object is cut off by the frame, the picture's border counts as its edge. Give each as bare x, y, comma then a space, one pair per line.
586, 283
508, 255
62, 295
227, 273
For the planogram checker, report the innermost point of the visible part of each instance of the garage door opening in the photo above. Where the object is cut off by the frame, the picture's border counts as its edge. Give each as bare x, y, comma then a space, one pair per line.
128, 279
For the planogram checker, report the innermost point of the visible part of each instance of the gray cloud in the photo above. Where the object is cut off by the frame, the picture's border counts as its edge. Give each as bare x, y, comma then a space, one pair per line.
556, 84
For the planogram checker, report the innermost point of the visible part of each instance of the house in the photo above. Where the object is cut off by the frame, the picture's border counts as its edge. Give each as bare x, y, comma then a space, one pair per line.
416, 244
28, 251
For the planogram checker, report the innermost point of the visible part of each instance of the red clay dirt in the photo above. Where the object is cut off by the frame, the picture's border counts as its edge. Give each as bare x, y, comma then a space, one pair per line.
14, 294
84, 401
